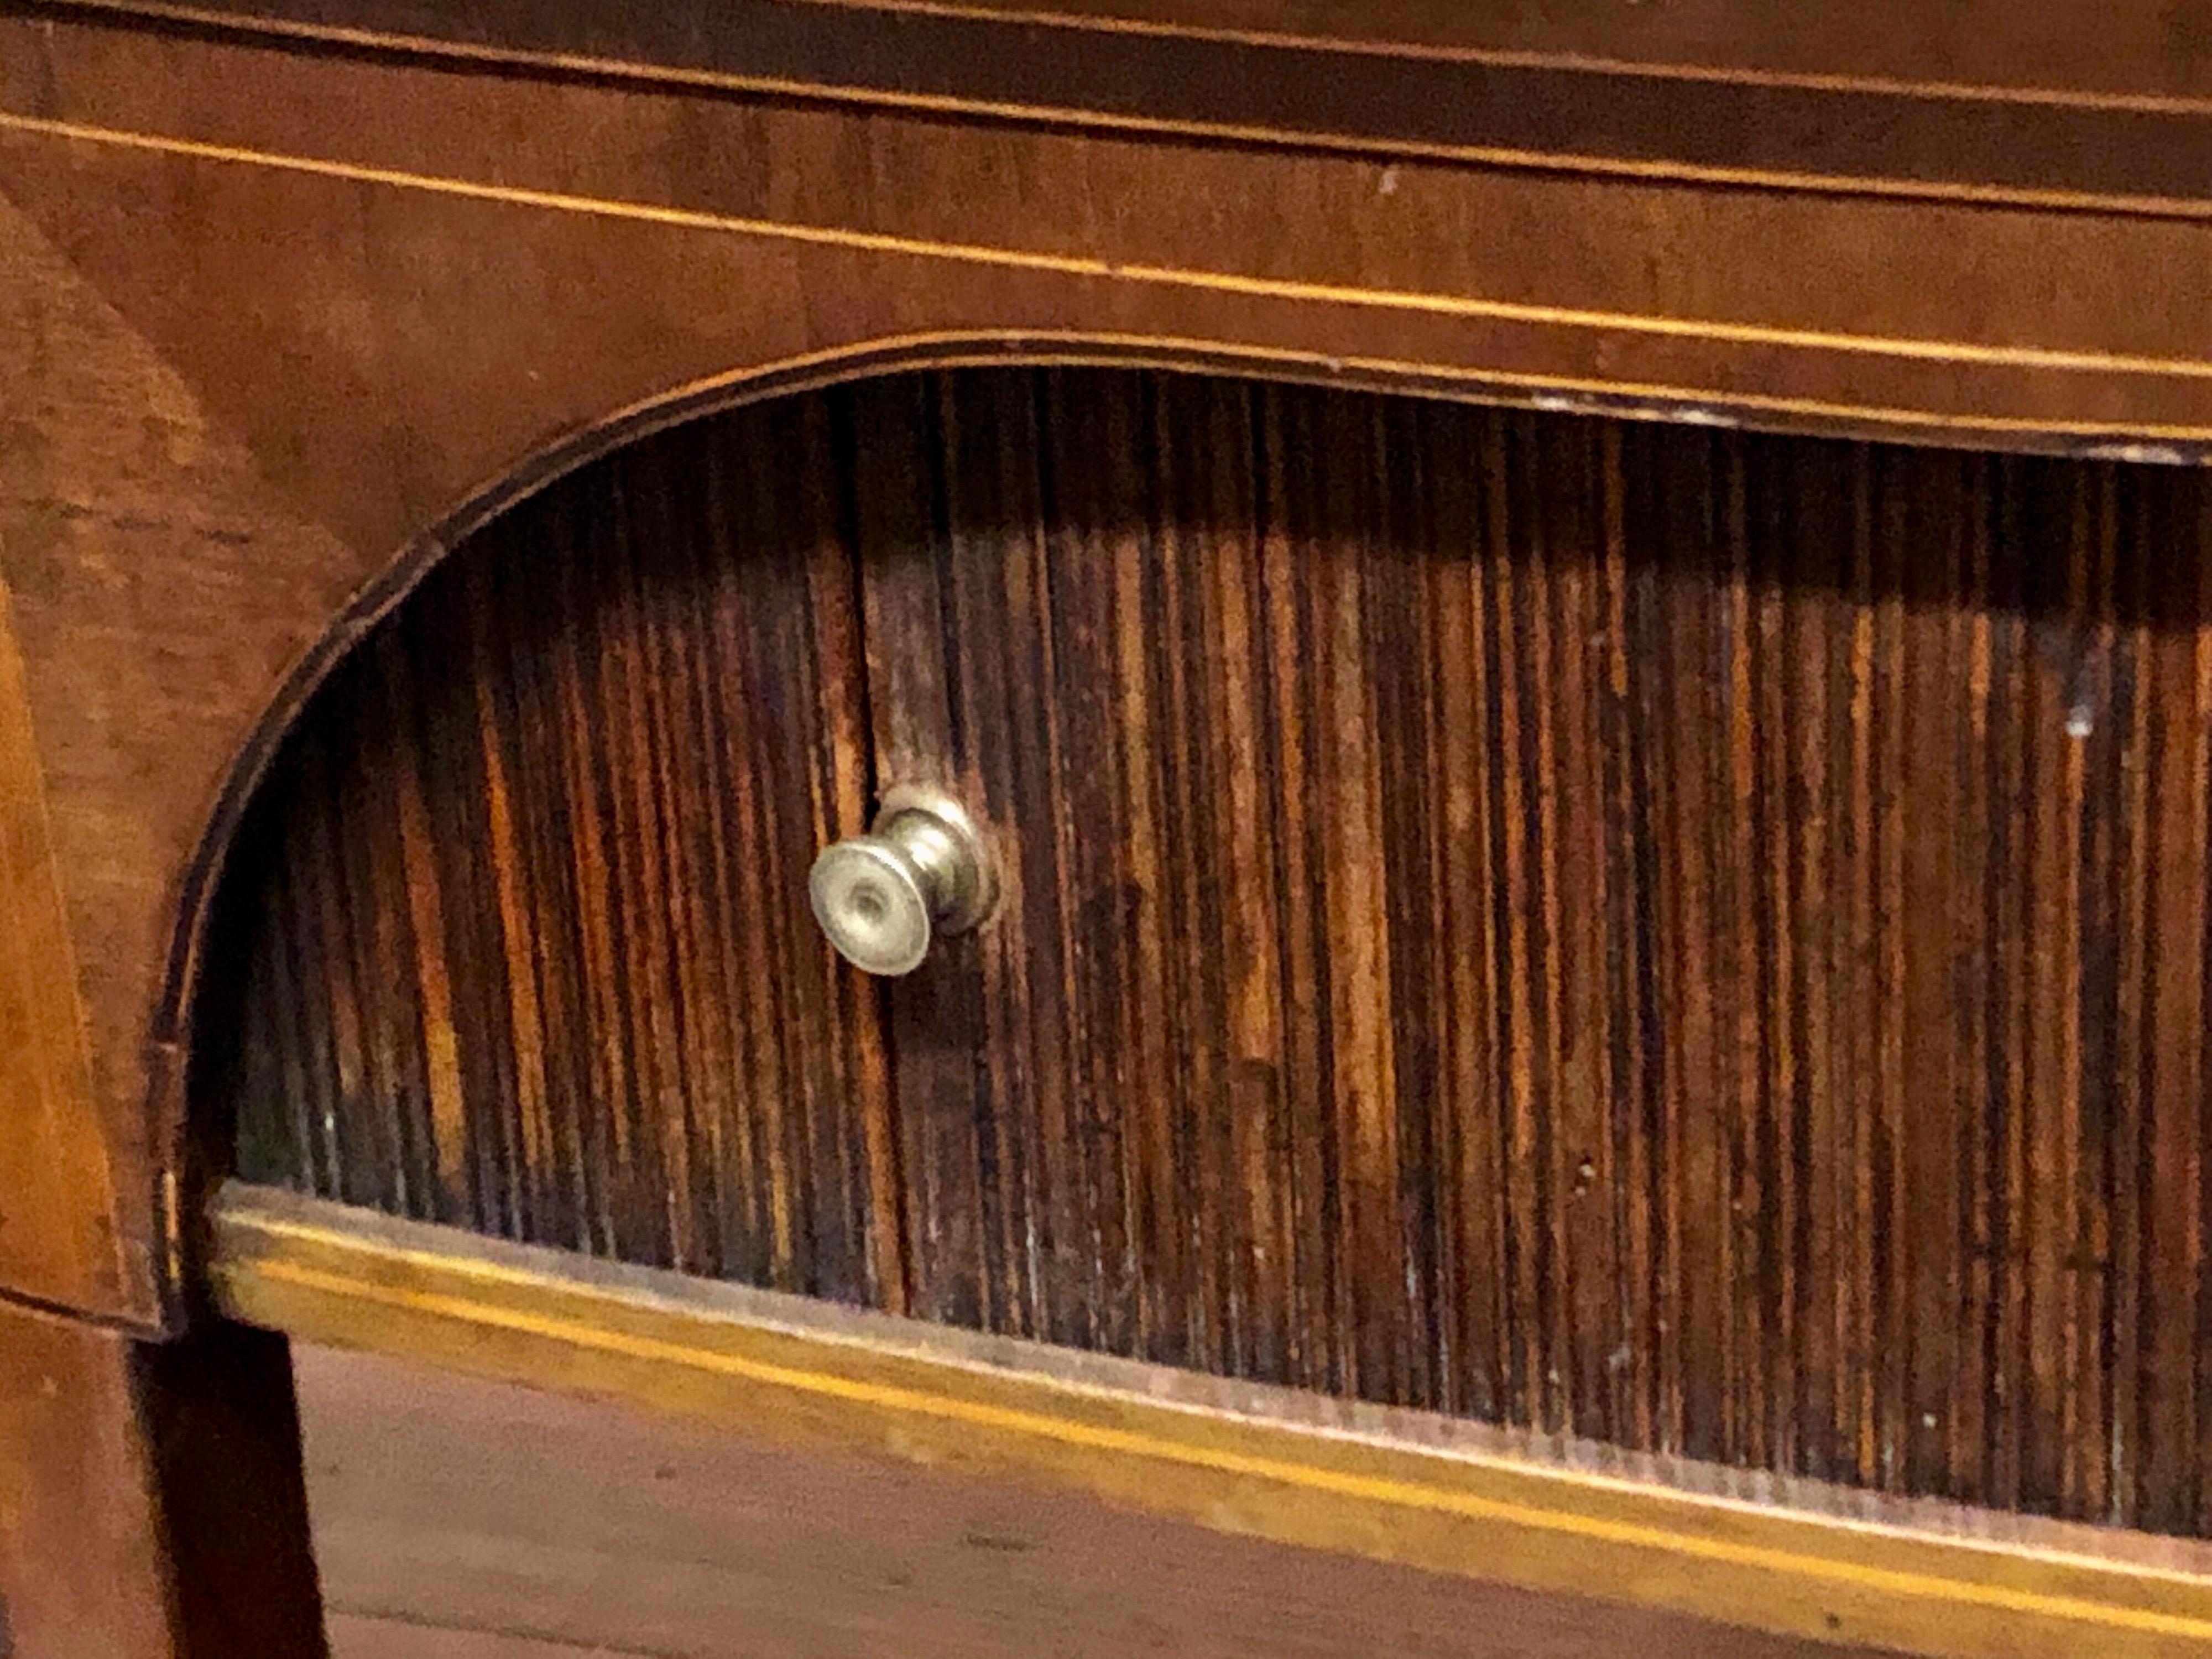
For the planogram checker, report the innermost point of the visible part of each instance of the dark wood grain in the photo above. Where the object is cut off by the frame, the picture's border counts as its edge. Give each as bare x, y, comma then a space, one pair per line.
1661, 935
221, 1433
2134, 50
1576, 887
545, 965
276, 320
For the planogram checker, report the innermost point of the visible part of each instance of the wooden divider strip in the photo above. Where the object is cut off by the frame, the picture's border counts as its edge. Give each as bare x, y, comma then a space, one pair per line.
1271, 1462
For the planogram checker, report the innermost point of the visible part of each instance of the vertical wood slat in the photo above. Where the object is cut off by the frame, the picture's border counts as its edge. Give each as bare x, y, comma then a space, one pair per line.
1681, 939
562, 807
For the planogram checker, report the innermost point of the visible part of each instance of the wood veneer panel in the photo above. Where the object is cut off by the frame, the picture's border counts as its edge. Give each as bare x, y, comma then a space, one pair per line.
1458, 1498
345, 323
1875, 98
59, 1216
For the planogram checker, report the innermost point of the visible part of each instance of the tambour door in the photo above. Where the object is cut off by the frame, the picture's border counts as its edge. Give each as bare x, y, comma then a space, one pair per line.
518, 930
1673, 937
1682, 939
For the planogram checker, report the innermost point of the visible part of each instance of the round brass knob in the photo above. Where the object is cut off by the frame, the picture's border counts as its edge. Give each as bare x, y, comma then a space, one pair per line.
921, 869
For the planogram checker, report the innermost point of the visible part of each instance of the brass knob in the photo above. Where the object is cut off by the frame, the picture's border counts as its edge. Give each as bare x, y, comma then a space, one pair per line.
921, 869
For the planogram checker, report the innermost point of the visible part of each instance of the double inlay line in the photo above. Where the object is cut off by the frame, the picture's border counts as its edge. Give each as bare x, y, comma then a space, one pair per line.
1441, 305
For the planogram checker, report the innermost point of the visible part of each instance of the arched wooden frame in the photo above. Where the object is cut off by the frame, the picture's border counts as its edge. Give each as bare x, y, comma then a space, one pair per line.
167, 1103
223, 228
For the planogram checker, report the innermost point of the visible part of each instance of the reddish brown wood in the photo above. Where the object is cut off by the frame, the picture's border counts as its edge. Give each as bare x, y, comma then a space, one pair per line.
335, 359
126, 512
458, 1519
1803, 1005
80, 1561
151, 1504
1889, 104
2137, 49
63, 1223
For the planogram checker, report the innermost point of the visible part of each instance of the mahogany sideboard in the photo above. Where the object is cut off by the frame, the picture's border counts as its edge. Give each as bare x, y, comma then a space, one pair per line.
1577, 639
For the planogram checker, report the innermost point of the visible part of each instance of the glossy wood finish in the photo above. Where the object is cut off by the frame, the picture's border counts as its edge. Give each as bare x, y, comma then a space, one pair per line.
2133, 49
59, 1219
1681, 939
127, 510
279, 323
354, 290
799, 1378
1387, 80
1693, 941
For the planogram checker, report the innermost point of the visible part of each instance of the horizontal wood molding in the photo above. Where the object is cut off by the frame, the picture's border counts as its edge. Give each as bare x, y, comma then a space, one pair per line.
1936, 318
1257, 1460
1360, 88
473, 1505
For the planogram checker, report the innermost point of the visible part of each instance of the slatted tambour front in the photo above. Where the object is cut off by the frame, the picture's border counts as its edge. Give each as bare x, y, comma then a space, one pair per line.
526, 942
1686, 938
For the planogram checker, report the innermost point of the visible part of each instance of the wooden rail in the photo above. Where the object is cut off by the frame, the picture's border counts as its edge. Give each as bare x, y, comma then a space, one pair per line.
1269, 1462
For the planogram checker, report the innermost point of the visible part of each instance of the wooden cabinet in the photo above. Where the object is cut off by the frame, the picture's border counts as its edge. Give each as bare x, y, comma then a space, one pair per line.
1581, 639
1678, 938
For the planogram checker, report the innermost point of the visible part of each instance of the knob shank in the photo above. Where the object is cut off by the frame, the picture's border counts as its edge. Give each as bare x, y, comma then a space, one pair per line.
922, 869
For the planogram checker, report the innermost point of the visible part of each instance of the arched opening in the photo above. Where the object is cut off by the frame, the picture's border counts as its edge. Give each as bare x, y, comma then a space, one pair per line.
1671, 936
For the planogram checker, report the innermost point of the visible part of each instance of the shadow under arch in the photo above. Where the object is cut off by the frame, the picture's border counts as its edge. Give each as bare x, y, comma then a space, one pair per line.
171, 1029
